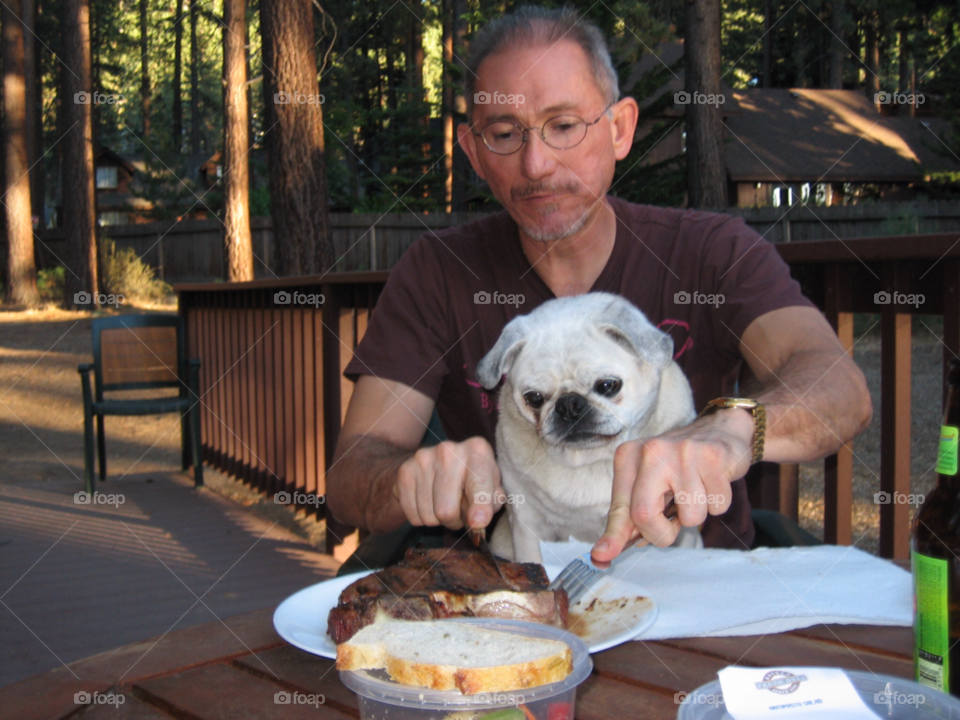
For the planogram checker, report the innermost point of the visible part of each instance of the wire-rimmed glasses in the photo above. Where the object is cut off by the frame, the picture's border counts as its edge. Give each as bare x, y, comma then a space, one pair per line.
561, 132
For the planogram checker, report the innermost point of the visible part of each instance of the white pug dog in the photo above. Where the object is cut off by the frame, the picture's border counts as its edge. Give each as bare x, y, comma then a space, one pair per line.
583, 375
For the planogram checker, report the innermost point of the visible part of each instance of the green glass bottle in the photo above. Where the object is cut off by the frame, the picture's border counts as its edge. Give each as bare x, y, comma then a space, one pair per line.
935, 547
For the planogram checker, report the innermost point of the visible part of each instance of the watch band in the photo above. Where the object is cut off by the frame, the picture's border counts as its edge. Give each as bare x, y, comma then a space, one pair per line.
759, 417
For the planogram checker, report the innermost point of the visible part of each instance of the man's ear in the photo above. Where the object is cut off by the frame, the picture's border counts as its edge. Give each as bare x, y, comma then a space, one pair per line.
624, 125
468, 141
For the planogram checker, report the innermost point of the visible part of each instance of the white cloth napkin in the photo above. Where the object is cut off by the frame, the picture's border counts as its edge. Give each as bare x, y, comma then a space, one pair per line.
719, 593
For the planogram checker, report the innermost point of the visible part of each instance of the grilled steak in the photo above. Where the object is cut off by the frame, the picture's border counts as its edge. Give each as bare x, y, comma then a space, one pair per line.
442, 583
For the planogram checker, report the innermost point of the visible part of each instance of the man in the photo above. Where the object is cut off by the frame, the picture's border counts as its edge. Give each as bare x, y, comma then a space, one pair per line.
546, 133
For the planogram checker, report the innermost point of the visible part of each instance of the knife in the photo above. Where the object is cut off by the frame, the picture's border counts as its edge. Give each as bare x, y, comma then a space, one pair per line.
479, 540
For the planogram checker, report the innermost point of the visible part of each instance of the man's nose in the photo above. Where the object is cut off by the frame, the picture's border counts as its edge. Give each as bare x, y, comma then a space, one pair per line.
538, 159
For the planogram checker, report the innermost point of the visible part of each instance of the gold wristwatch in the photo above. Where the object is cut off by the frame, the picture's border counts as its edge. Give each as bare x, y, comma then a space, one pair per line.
759, 416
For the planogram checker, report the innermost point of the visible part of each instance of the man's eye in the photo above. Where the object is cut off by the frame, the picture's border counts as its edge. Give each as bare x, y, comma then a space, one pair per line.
608, 387
533, 399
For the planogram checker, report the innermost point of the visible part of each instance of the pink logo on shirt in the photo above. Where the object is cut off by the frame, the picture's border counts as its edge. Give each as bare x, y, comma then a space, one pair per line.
486, 400
688, 343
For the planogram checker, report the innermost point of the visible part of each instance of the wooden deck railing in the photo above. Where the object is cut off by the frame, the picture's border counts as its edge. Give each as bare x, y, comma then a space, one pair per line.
274, 394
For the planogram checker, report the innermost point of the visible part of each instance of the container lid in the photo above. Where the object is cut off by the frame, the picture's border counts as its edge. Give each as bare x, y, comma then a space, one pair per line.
377, 685
887, 696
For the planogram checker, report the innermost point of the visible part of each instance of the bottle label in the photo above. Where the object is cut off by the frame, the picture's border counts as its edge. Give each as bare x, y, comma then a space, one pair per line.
931, 624
947, 452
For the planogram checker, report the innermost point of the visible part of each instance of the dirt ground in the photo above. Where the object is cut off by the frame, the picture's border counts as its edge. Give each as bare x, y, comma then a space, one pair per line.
41, 422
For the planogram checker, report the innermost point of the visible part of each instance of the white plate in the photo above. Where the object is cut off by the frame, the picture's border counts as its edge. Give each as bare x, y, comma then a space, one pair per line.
301, 619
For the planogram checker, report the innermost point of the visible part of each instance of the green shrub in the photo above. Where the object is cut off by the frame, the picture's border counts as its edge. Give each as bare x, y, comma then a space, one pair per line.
50, 284
125, 273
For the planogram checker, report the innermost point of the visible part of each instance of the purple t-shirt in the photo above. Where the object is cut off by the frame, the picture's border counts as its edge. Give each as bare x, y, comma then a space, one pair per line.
429, 332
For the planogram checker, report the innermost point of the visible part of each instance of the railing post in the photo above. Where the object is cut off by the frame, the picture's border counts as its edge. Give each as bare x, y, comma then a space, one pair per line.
951, 315
332, 408
895, 374
838, 469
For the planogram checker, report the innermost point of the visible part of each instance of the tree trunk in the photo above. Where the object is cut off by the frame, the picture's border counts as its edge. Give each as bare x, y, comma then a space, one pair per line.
837, 50
21, 279
194, 80
447, 109
79, 209
872, 55
144, 70
177, 72
298, 185
706, 171
236, 167
34, 100
767, 40
461, 165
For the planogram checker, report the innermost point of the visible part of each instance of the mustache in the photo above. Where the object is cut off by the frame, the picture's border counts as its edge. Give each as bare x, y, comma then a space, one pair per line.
519, 193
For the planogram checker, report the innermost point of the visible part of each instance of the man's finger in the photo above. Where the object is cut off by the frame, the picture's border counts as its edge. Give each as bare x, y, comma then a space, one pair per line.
482, 490
405, 490
656, 468
620, 529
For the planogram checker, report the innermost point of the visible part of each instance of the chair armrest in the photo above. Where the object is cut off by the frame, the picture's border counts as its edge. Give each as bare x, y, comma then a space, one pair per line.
84, 368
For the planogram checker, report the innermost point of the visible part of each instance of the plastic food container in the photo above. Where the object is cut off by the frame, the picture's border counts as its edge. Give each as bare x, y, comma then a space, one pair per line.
888, 696
383, 699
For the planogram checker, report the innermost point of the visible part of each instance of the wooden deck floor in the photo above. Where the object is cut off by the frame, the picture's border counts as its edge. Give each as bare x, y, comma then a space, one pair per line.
76, 580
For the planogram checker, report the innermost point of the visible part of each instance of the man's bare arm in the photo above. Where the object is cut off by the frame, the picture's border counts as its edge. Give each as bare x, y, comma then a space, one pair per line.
379, 478
816, 396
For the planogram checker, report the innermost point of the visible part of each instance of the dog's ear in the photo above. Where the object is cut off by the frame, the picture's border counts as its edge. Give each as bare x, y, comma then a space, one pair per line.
500, 359
630, 328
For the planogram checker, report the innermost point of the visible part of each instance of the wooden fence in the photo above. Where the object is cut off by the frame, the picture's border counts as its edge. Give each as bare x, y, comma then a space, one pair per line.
274, 394
192, 250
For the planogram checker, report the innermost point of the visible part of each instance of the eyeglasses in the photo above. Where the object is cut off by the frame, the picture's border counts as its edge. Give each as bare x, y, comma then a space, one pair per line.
561, 133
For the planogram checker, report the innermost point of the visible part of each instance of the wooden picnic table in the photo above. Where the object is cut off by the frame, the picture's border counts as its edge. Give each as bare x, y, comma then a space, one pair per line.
231, 670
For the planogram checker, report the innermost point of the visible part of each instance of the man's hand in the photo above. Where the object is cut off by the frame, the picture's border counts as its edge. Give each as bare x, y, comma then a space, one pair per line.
693, 464
451, 484
816, 399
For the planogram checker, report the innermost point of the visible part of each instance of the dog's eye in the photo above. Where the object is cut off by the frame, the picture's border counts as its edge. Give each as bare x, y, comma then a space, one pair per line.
608, 387
533, 399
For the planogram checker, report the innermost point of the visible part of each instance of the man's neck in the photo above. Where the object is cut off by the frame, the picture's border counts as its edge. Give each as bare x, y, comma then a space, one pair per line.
571, 266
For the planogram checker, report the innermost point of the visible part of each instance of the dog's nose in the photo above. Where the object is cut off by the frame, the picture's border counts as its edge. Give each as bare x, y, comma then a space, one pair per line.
570, 407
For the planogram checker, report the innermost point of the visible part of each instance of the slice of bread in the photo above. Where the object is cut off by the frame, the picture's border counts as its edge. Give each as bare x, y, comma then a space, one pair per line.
444, 655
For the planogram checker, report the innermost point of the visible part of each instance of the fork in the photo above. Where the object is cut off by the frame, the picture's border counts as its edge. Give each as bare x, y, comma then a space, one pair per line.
580, 573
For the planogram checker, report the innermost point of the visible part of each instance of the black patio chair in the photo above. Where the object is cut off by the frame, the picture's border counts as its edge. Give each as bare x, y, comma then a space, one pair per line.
137, 352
